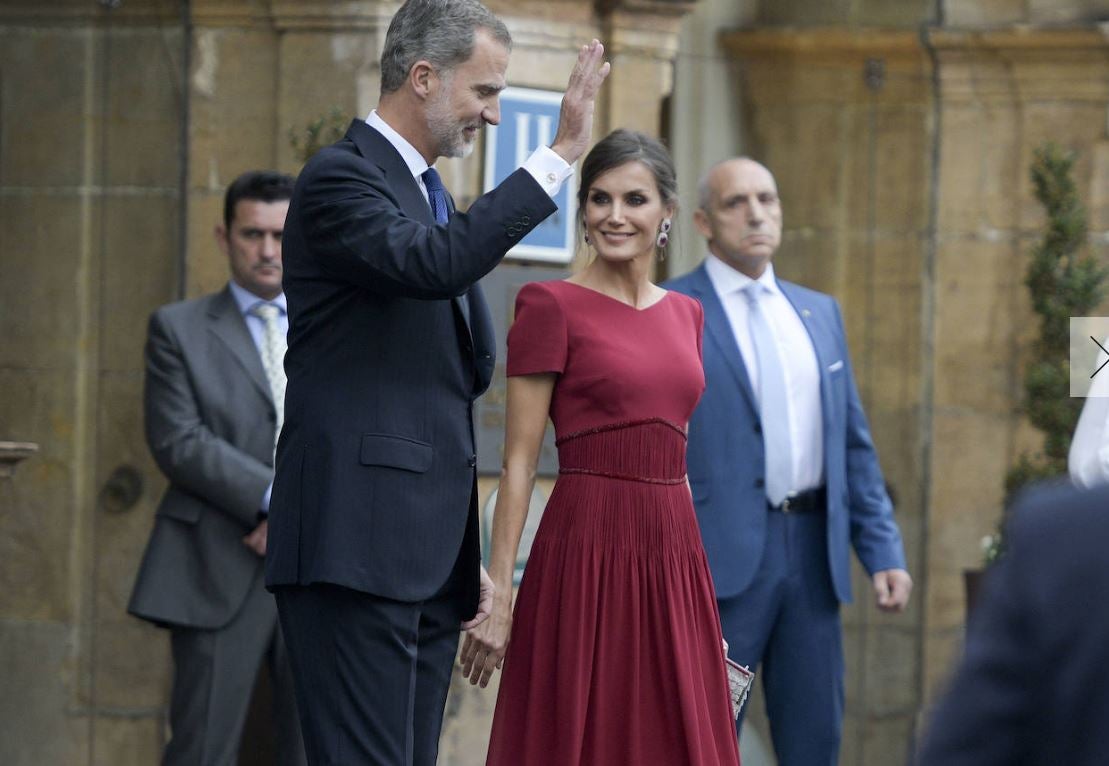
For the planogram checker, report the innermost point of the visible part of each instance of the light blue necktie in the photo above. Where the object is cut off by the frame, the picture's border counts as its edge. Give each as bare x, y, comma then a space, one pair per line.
436, 195
773, 399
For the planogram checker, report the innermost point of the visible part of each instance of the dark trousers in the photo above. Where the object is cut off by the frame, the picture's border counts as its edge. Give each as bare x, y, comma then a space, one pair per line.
787, 624
213, 678
371, 674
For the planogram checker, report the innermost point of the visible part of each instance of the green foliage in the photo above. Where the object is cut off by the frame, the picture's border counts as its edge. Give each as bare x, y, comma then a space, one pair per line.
320, 132
1063, 283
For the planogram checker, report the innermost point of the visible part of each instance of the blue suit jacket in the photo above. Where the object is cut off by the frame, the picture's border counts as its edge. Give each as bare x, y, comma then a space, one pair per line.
726, 457
390, 342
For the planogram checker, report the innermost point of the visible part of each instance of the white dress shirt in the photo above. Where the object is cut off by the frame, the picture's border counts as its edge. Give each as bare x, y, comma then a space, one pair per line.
247, 300
544, 165
799, 364
1088, 460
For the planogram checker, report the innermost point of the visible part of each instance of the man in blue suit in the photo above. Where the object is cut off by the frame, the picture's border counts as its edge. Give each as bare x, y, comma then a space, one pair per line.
782, 467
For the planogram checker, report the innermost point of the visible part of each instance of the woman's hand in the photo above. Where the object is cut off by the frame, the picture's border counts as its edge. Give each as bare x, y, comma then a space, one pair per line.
485, 645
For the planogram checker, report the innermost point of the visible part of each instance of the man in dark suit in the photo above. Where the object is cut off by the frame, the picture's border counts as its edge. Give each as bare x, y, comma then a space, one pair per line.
1030, 689
782, 468
212, 404
373, 552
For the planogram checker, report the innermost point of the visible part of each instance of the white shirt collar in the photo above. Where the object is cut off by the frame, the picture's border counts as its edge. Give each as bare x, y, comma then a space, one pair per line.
412, 158
727, 280
247, 300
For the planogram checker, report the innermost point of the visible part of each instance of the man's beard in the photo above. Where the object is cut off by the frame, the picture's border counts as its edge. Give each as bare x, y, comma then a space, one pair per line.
449, 133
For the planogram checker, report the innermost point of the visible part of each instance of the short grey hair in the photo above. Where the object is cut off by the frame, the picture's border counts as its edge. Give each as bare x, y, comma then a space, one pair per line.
704, 189
438, 31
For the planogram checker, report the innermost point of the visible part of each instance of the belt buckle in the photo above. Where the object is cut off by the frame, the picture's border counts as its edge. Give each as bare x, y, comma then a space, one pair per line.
786, 501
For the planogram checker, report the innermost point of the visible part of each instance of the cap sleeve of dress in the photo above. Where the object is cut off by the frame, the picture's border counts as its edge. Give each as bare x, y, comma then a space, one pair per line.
537, 340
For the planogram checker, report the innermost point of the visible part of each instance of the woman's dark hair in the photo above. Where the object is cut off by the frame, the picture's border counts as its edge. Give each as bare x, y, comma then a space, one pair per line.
621, 147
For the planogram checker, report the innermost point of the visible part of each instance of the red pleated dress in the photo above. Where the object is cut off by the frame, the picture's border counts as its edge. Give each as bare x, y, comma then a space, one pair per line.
615, 655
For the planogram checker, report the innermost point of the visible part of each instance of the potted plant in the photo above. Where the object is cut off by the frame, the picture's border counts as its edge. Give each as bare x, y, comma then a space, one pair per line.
1062, 283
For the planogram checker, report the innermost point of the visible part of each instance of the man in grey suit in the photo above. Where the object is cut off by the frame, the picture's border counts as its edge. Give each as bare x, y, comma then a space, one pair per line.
213, 403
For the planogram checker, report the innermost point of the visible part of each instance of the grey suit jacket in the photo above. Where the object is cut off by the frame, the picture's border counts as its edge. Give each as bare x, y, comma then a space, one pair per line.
209, 419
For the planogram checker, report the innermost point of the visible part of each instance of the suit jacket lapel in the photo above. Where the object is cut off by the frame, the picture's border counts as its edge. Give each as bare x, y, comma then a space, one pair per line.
410, 199
463, 303
227, 324
719, 332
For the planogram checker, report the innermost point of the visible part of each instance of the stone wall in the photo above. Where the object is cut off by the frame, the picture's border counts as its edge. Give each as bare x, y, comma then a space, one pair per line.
91, 107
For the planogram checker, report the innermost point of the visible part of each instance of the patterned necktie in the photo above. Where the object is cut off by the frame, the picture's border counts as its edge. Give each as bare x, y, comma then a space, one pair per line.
773, 400
436, 195
273, 357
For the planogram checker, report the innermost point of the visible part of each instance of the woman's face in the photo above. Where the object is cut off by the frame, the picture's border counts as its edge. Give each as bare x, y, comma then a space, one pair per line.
623, 212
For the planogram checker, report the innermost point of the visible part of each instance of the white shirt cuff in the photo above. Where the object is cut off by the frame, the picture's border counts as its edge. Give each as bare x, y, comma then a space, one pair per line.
264, 508
548, 169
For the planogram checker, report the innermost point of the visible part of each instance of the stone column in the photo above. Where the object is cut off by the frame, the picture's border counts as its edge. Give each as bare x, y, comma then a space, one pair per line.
89, 230
1004, 93
642, 39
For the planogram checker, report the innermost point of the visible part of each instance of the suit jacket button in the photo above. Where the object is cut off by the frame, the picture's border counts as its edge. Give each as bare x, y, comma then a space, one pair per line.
758, 428
759, 483
472, 462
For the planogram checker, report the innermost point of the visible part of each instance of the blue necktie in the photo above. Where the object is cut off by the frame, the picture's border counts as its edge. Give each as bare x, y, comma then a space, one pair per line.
773, 399
436, 195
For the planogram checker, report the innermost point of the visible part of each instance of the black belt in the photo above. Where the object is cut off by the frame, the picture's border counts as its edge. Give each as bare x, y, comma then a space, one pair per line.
809, 501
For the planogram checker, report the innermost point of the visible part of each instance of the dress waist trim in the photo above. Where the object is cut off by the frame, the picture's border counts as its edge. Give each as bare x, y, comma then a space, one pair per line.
650, 451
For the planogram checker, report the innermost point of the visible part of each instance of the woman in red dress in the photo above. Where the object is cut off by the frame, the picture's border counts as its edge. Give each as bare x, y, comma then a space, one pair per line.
615, 655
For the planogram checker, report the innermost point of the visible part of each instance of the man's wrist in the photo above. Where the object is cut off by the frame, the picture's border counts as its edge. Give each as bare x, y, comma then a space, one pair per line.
548, 168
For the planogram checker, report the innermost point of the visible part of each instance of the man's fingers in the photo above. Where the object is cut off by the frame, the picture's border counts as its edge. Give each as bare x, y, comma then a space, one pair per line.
491, 664
588, 73
902, 587
477, 670
892, 589
466, 659
881, 588
476, 620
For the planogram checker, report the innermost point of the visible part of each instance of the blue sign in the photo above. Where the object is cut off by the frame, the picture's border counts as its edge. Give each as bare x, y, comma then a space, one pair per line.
529, 118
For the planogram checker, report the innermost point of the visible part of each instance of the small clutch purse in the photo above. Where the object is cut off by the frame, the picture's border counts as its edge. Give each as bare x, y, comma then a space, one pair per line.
739, 684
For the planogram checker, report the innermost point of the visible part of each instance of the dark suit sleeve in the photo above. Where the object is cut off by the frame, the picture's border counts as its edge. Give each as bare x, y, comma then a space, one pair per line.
874, 532
359, 233
988, 716
189, 454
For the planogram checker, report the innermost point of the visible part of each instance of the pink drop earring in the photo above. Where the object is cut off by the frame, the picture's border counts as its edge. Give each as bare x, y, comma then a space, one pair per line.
663, 237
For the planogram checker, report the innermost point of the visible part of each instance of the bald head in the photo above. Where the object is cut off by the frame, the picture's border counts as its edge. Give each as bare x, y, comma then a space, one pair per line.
739, 214
717, 174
